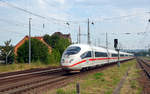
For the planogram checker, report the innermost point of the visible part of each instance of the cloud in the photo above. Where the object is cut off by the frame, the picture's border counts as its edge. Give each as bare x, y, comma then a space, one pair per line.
55, 8
137, 15
81, 9
3, 4
60, 1
92, 2
42, 4
117, 3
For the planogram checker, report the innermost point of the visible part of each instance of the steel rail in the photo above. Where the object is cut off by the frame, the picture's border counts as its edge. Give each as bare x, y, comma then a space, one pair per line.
25, 74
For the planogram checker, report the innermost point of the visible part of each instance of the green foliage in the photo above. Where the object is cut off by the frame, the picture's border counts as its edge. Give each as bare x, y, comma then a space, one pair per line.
7, 50
61, 91
62, 44
51, 40
58, 45
39, 52
133, 84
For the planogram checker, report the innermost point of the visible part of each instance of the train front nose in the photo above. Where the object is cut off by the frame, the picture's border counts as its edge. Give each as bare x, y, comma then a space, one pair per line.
67, 62
64, 62
68, 57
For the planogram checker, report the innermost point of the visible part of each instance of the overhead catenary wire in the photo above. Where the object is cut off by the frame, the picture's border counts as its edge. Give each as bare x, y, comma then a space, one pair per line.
145, 33
58, 21
49, 19
27, 11
119, 17
18, 24
67, 21
11, 31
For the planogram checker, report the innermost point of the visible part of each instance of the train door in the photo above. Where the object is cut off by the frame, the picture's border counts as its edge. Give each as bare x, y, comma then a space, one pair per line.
108, 57
96, 58
93, 62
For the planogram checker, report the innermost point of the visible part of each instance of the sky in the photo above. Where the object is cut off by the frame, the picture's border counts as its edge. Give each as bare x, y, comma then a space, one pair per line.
126, 20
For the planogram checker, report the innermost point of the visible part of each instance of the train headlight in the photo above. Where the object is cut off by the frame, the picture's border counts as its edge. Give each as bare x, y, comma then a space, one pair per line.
62, 60
71, 60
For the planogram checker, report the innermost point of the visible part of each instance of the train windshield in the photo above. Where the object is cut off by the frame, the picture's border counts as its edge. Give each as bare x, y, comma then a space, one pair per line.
72, 50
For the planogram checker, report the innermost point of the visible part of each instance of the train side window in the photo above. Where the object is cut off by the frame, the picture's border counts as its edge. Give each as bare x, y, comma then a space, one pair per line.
114, 55
100, 54
86, 55
121, 55
72, 50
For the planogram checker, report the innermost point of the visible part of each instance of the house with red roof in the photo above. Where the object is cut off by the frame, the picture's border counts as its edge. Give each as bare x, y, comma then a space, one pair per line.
27, 38
66, 36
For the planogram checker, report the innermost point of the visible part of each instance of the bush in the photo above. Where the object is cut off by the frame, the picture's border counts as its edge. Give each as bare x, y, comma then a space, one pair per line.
39, 52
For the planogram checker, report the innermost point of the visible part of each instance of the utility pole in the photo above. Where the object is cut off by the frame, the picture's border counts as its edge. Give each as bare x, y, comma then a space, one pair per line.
79, 35
88, 37
107, 47
78, 88
106, 41
77, 38
30, 40
118, 57
117, 49
98, 41
95, 42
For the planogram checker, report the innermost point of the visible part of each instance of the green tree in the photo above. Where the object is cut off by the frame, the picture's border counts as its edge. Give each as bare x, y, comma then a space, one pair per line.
39, 52
62, 44
58, 44
7, 50
52, 40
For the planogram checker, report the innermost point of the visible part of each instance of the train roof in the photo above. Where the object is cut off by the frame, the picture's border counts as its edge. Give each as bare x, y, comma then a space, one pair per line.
86, 46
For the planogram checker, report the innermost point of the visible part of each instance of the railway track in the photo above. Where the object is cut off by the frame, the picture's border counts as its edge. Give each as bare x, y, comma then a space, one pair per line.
145, 66
26, 71
23, 76
145, 75
37, 81
18, 82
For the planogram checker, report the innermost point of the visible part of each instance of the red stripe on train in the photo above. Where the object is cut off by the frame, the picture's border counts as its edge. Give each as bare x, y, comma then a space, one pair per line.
76, 63
95, 60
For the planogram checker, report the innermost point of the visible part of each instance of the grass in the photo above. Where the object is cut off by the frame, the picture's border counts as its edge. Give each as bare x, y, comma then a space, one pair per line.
147, 57
23, 66
131, 85
103, 82
98, 75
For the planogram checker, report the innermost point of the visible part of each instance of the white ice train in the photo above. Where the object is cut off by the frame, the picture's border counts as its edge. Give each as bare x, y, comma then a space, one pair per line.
80, 56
